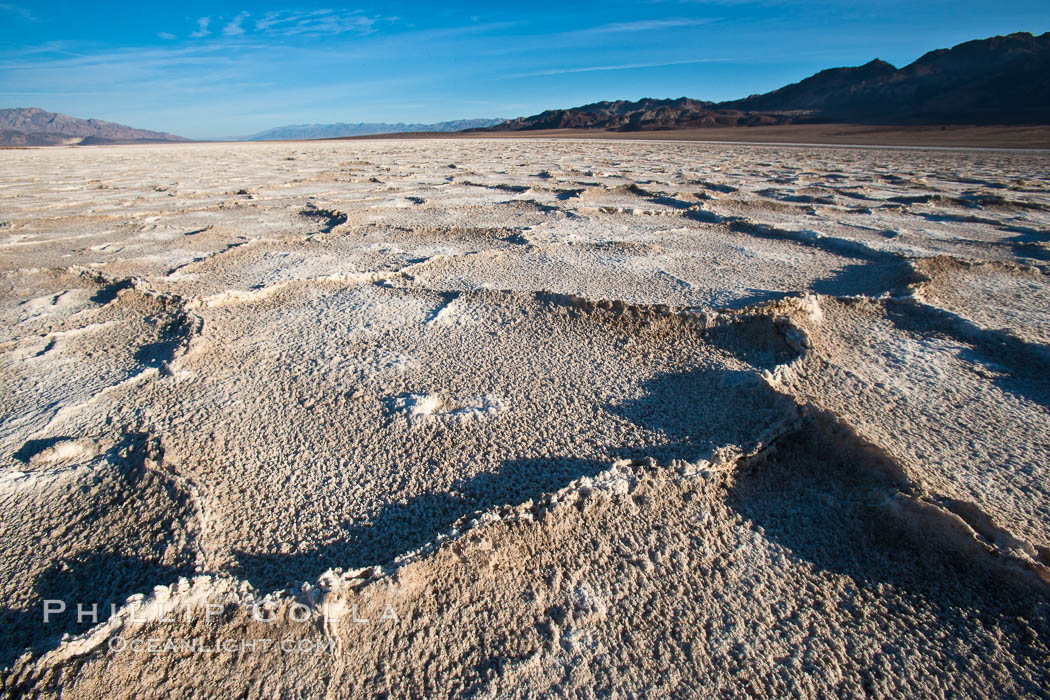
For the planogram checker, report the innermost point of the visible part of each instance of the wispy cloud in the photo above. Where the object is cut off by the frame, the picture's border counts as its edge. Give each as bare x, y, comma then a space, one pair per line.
206, 88
289, 23
202, 28
235, 27
166, 36
621, 66
23, 12
646, 25
171, 85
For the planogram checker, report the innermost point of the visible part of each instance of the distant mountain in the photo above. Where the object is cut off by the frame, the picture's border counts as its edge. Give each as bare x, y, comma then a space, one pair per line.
1001, 80
29, 126
331, 131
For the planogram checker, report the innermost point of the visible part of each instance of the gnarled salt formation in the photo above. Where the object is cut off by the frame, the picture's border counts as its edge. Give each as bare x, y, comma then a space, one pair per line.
510, 418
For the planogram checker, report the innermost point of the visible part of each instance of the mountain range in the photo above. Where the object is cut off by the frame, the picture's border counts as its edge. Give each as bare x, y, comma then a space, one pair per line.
1001, 80
645, 114
331, 131
30, 126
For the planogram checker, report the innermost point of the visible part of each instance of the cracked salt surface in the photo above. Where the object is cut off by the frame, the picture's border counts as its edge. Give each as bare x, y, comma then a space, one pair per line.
592, 418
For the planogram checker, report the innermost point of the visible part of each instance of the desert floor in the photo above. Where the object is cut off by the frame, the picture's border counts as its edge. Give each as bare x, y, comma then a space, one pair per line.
929, 137
511, 418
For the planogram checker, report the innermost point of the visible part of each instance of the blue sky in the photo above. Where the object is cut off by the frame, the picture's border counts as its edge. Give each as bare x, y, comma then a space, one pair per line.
229, 68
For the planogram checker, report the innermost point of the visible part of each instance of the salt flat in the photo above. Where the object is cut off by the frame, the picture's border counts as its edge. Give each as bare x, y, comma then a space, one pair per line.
530, 417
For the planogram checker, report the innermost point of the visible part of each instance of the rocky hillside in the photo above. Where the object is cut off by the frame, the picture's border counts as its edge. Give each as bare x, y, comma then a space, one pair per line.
998, 80
645, 114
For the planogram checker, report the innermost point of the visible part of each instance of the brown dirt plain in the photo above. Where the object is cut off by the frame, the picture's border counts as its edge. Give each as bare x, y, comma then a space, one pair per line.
951, 136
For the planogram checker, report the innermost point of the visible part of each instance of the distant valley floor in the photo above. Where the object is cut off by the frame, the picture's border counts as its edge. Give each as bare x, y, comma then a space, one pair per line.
832, 134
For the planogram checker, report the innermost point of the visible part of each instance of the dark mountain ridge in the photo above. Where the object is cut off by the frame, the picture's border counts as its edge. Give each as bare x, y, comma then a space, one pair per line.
647, 113
1000, 80
1004, 79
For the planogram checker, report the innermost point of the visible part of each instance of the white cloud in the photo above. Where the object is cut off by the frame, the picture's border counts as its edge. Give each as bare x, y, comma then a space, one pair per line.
23, 12
288, 23
646, 25
166, 36
202, 28
234, 28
